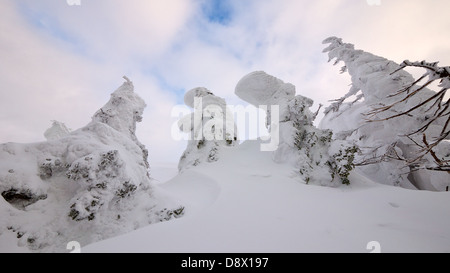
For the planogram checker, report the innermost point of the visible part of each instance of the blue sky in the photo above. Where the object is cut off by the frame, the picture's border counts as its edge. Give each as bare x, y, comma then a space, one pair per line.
218, 11
62, 62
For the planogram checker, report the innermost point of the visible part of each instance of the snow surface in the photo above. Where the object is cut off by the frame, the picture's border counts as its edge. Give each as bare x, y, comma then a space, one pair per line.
247, 203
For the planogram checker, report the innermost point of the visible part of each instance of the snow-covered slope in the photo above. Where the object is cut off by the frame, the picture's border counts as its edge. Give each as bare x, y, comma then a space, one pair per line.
247, 203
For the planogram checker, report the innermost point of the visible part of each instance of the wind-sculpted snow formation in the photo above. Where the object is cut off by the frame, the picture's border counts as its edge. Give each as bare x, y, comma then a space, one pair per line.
210, 127
85, 185
376, 82
315, 156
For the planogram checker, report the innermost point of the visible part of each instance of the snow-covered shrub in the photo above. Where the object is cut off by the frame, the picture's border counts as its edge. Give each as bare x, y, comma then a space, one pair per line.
343, 162
386, 148
51, 166
210, 127
168, 214
87, 185
104, 179
310, 149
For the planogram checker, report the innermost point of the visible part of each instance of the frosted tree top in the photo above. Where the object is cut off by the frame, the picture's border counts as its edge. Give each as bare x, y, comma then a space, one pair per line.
123, 110
260, 88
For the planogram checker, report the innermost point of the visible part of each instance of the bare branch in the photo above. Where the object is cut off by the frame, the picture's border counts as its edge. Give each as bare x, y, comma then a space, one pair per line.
433, 104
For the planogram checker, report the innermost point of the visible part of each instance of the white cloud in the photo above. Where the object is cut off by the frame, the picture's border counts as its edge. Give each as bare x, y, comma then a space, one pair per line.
114, 29
38, 81
44, 78
62, 62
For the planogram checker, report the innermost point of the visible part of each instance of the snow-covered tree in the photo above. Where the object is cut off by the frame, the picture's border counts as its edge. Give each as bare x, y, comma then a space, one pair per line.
58, 130
122, 112
88, 185
389, 145
210, 127
311, 150
435, 132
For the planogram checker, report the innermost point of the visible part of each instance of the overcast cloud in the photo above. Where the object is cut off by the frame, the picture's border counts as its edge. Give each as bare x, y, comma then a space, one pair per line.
62, 62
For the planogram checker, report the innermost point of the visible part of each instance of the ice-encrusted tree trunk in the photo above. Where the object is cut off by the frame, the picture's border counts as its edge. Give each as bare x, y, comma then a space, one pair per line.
388, 145
210, 127
310, 149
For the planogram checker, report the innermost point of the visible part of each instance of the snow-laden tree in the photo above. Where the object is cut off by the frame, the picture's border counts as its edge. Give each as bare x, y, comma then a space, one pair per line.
435, 132
311, 150
210, 127
122, 112
56, 131
383, 113
88, 185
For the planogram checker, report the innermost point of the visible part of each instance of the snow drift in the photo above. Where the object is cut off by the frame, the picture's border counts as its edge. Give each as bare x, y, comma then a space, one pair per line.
247, 203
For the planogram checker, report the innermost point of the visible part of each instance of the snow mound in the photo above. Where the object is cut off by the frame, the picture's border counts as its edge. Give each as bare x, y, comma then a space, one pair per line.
91, 184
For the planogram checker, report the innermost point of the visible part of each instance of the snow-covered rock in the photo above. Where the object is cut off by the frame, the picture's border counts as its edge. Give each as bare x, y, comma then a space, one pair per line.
91, 184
